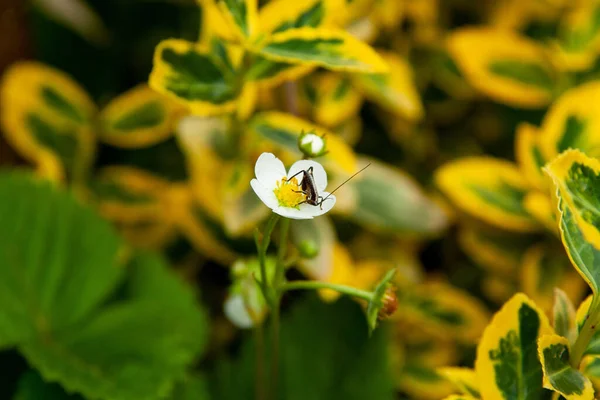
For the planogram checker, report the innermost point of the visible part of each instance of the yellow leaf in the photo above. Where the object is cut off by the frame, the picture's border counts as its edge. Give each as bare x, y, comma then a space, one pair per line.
505, 66
489, 189
139, 118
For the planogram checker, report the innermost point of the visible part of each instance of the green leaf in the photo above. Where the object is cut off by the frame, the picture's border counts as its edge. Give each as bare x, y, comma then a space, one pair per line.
187, 72
32, 387
79, 316
343, 362
559, 375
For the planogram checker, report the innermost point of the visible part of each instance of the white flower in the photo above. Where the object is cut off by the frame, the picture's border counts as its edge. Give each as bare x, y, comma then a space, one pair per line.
311, 144
282, 192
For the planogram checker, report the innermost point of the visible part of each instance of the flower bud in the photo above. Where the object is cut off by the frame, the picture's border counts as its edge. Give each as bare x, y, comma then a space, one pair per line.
311, 144
308, 248
389, 303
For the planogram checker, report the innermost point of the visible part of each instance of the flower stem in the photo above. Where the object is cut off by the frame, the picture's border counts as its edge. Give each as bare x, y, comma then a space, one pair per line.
261, 248
316, 285
279, 281
587, 332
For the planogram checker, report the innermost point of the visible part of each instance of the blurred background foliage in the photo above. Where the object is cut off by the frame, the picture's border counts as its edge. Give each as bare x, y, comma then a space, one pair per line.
457, 263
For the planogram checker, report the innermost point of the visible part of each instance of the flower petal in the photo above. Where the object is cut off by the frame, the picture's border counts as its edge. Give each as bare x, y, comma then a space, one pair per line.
307, 211
265, 195
235, 310
269, 170
318, 173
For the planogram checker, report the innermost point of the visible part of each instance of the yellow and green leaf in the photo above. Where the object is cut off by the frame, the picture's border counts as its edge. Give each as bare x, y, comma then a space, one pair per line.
572, 122
444, 311
423, 382
281, 131
509, 68
47, 118
577, 179
464, 380
281, 15
395, 90
590, 367
559, 375
564, 319
545, 268
129, 195
507, 362
329, 48
579, 36
214, 24
138, 118
336, 100
495, 251
194, 76
239, 15
490, 189
389, 200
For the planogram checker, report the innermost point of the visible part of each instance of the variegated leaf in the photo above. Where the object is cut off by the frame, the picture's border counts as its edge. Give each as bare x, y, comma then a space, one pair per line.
559, 375
329, 48
47, 118
139, 118
509, 68
507, 362
489, 189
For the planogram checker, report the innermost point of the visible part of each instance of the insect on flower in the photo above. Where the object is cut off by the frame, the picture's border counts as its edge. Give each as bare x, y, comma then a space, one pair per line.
303, 198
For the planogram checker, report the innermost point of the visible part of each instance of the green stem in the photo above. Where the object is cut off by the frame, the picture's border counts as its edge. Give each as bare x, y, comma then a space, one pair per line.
262, 246
278, 282
316, 285
585, 335
260, 362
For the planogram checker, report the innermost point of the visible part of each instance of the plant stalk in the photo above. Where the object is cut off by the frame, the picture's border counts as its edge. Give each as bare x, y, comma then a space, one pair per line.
585, 335
316, 285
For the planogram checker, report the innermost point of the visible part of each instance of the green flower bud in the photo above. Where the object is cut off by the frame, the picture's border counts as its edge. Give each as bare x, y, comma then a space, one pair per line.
312, 145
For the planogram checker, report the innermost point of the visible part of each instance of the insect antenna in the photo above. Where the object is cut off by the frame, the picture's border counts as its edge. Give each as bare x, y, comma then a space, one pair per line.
346, 181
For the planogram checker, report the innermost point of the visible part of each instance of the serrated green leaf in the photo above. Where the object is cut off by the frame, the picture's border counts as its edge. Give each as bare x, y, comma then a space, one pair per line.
60, 267
577, 179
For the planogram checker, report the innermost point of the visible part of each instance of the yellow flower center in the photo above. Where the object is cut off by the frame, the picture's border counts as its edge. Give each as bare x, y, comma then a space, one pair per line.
289, 193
